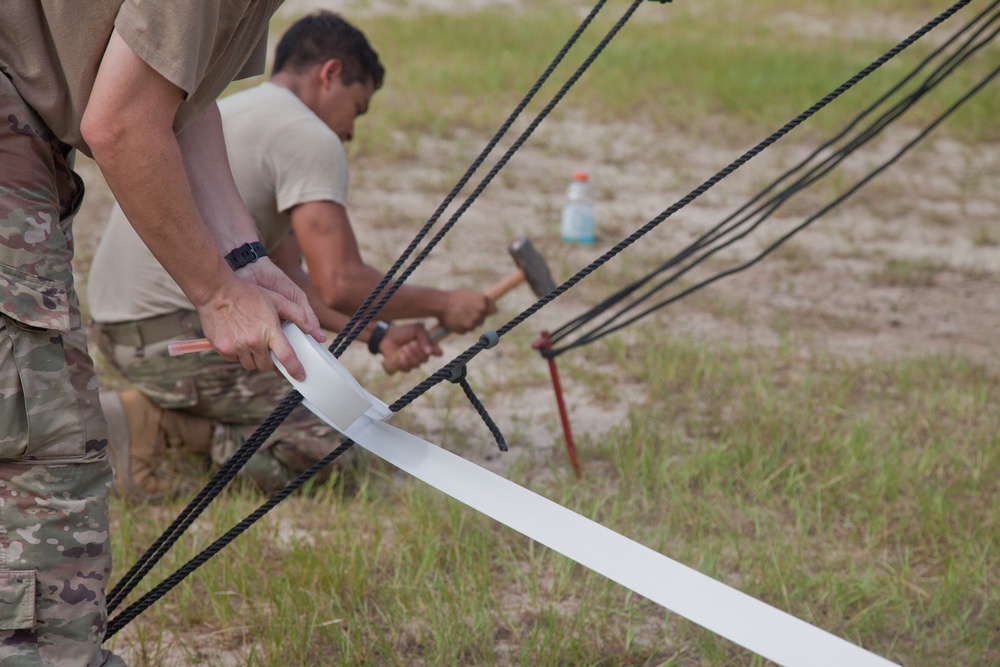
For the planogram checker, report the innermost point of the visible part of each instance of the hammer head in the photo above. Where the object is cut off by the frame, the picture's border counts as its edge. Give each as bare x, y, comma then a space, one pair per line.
536, 271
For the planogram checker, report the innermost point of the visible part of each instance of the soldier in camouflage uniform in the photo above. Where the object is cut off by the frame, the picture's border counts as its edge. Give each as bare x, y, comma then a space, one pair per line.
73, 78
55, 551
205, 406
285, 139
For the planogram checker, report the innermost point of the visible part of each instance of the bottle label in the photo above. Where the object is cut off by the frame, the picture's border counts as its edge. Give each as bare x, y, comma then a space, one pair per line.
577, 224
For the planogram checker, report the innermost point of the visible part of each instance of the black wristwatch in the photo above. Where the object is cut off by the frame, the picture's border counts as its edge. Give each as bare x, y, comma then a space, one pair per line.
248, 253
377, 335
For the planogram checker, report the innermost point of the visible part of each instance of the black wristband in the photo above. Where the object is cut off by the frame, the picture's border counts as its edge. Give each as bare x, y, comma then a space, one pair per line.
377, 335
248, 253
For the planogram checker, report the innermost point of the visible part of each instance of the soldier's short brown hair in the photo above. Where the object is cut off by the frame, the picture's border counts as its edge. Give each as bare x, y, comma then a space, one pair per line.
324, 36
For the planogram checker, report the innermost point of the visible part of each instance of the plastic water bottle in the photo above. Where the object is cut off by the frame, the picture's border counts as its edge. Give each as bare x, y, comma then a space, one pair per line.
578, 212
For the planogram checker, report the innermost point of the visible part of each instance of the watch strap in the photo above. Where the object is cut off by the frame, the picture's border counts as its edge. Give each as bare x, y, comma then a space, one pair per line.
248, 253
377, 335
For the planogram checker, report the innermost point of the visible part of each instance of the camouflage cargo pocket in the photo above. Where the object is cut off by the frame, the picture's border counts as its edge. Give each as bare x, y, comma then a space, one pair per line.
17, 599
40, 194
48, 407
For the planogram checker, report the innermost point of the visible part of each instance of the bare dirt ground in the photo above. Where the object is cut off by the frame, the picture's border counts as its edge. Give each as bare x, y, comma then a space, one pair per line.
832, 289
906, 267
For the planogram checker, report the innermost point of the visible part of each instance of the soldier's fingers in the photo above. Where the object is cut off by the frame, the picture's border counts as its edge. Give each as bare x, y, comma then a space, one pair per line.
301, 314
423, 340
284, 353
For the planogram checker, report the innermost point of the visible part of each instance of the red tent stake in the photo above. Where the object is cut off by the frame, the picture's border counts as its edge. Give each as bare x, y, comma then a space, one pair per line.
545, 343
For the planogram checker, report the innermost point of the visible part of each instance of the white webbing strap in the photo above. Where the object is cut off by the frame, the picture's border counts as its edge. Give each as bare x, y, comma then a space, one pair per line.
755, 625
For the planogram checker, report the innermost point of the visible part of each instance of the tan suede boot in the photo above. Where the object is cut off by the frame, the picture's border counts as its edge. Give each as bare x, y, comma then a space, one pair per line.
187, 432
139, 432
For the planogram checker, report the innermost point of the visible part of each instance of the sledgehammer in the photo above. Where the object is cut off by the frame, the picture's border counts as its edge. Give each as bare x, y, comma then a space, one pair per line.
531, 268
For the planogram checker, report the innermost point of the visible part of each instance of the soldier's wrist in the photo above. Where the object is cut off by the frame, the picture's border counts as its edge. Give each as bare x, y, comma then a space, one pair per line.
378, 333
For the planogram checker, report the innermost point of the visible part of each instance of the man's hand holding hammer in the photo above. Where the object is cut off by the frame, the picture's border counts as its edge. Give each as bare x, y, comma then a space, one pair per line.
466, 309
531, 269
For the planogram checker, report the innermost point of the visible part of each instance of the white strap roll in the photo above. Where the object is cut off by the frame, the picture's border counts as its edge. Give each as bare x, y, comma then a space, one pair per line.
329, 389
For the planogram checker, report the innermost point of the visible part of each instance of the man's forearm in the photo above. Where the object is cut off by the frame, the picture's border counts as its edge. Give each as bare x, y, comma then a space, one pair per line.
350, 288
288, 258
161, 209
206, 163
128, 125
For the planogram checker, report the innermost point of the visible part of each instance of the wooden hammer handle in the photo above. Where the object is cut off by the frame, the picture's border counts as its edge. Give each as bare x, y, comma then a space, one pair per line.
515, 278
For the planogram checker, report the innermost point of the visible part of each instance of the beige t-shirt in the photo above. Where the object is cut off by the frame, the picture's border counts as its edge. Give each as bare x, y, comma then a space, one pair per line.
281, 155
51, 50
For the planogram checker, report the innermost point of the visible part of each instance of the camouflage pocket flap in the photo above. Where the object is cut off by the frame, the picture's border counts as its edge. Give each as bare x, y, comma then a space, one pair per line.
17, 600
38, 302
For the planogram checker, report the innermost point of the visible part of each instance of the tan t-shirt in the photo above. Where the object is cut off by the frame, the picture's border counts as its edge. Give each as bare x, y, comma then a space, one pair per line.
51, 50
281, 155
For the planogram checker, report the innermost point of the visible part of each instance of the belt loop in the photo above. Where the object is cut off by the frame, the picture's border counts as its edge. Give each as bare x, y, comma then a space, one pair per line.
189, 324
140, 351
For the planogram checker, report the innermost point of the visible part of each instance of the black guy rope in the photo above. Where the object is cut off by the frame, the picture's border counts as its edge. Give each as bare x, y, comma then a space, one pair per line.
442, 374
809, 220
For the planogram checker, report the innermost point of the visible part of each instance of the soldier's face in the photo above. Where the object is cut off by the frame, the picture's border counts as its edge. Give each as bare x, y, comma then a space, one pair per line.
341, 105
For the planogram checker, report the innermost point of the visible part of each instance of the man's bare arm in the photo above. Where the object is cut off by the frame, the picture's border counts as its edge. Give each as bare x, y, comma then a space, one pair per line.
128, 125
288, 258
343, 279
410, 344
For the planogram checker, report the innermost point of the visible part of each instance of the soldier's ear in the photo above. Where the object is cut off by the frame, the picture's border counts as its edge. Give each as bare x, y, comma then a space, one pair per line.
331, 71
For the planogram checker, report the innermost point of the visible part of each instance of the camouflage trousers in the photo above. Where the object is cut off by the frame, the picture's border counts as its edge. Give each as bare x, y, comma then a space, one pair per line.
235, 399
55, 555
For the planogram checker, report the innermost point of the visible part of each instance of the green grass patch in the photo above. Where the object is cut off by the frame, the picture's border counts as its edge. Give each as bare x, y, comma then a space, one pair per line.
676, 65
861, 497
906, 273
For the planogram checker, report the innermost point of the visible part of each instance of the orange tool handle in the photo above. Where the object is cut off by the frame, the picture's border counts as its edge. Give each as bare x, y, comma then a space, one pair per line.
179, 347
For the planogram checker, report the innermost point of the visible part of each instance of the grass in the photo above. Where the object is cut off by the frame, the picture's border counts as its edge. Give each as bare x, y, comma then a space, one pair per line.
984, 236
682, 62
906, 273
860, 496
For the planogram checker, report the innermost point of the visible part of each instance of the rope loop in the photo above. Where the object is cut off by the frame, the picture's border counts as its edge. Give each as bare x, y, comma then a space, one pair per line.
459, 373
474, 400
